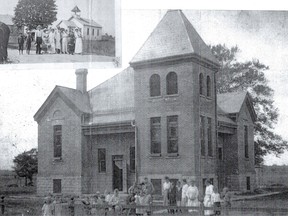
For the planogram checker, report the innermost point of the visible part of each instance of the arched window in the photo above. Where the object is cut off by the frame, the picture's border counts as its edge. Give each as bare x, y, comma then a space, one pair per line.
201, 84
208, 86
171, 83
155, 85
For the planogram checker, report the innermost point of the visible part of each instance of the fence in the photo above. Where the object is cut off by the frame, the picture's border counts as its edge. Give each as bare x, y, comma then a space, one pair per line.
82, 209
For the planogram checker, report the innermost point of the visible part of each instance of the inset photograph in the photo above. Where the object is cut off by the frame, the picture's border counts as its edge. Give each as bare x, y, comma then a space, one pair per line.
58, 31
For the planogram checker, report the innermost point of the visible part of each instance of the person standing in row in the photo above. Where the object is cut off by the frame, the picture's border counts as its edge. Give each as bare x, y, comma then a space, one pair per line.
208, 197
38, 39
178, 193
28, 42
58, 41
65, 41
21, 43
52, 40
184, 192
166, 188
78, 41
192, 195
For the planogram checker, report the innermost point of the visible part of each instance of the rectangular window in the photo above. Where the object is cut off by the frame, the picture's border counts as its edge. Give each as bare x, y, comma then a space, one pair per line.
209, 133
155, 131
88, 31
202, 135
157, 186
172, 134
132, 159
248, 183
93, 32
57, 133
57, 186
98, 32
246, 141
220, 153
102, 160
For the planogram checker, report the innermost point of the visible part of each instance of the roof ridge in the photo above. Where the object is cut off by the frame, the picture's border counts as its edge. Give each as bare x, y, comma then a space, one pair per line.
189, 39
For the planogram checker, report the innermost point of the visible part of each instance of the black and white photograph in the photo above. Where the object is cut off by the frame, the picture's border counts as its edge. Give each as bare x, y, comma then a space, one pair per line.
59, 31
192, 120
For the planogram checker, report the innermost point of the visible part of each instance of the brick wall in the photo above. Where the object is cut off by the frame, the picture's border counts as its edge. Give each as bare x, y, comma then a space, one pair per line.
70, 164
115, 144
187, 105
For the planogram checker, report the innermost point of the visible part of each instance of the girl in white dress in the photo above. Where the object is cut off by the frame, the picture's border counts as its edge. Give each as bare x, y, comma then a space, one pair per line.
65, 41
52, 40
207, 198
192, 195
78, 42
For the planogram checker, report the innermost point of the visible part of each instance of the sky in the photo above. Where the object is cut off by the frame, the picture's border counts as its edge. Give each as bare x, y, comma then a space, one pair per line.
259, 34
92, 9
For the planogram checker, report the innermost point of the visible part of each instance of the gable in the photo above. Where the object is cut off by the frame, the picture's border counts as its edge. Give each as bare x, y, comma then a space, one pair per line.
247, 110
74, 100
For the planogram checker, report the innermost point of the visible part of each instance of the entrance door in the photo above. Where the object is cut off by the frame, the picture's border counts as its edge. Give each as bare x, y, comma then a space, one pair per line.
117, 164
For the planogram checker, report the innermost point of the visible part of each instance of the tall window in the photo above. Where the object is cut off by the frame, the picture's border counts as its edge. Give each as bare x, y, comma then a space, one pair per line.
155, 127
208, 86
57, 131
201, 84
132, 159
98, 32
171, 83
248, 184
93, 31
102, 160
209, 133
246, 141
172, 134
155, 85
88, 31
202, 135
57, 187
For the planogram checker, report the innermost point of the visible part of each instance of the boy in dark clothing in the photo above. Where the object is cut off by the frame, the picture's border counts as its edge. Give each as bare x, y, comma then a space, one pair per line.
71, 43
20, 43
28, 42
172, 197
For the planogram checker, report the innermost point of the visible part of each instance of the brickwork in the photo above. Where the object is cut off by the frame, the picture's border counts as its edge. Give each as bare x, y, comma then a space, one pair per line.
70, 163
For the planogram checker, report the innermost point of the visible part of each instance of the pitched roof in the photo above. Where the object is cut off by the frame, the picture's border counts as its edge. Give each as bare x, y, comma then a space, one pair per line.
80, 100
68, 23
116, 93
174, 36
231, 102
75, 99
7, 19
87, 22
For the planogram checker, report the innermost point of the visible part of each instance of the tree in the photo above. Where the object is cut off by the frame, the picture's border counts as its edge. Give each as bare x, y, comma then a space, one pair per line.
32, 13
26, 164
250, 76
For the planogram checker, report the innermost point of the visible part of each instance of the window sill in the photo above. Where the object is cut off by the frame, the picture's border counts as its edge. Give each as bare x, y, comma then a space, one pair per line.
102, 173
172, 155
57, 159
155, 155
155, 97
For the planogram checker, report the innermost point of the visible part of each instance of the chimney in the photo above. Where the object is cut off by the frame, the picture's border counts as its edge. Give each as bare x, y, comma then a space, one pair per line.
81, 79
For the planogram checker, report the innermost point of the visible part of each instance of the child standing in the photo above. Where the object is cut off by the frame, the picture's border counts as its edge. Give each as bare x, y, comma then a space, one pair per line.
57, 206
20, 43
47, 207
215, 197
28, 42
172, 197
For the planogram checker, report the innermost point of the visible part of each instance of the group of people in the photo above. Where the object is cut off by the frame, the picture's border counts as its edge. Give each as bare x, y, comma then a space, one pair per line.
96, 205
184, 193
52, 41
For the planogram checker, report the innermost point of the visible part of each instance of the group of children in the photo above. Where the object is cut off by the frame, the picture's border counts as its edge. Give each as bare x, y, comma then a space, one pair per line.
51, 41
96, 205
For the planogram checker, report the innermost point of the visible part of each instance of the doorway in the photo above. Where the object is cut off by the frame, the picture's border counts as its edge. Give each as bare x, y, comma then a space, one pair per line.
117, 165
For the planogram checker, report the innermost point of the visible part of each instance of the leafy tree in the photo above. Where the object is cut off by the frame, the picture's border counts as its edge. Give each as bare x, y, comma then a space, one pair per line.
250, 76
26, 164
32, 13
